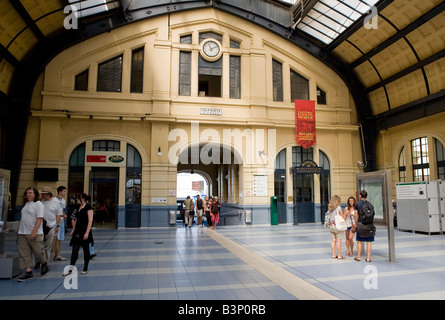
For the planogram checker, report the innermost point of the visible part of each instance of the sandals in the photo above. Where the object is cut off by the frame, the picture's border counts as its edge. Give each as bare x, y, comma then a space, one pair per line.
361, 260
338, 257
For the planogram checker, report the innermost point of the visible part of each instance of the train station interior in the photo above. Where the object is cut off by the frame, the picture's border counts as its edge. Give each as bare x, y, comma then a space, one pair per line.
273, 106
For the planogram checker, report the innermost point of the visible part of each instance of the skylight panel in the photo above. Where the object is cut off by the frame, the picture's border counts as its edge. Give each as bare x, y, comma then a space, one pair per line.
329, 18
85, 8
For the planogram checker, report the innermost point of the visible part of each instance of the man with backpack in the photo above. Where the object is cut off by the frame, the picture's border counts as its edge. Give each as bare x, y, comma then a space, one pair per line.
365, 225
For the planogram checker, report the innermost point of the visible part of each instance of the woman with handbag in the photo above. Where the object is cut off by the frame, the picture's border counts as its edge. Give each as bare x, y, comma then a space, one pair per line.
337, 226
351, 218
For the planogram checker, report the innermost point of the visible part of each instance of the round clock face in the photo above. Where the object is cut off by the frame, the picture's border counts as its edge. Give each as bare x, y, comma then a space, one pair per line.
211, 48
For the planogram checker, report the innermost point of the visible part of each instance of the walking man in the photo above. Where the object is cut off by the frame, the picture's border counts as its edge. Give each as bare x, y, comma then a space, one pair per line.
189, 212
51, 214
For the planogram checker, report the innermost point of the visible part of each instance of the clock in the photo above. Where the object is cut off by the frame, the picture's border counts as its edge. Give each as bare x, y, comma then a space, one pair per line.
211, 50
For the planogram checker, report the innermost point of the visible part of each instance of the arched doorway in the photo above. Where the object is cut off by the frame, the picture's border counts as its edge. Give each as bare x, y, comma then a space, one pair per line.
325, 184
303, 187
305, 196
191, 184
96, 168
219, 164
280, 185
133, 188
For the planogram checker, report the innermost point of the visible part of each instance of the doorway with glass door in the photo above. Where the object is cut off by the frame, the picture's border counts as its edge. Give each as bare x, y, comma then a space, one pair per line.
104, 187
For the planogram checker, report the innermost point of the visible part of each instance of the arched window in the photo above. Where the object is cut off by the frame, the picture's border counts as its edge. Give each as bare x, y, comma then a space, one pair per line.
133, 157
402, 166
280, 176
440, 155
76, 171
325, 183
300, 154
133, 188
420, 156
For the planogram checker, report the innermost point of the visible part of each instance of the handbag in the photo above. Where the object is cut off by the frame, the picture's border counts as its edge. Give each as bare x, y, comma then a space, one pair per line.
327, 216
340, 223
365, 230
45, 228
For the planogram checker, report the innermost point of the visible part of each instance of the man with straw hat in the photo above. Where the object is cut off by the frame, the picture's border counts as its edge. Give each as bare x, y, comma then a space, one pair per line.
51, 214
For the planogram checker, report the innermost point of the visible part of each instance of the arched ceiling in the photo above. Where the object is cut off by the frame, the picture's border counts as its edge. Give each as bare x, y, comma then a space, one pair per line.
398, 63
395, 72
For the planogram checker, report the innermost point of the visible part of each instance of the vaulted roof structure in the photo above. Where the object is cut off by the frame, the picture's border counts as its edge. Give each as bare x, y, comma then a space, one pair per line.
390, 53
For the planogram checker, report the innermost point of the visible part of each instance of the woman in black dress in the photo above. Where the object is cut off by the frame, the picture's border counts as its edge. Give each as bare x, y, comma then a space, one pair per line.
81, 234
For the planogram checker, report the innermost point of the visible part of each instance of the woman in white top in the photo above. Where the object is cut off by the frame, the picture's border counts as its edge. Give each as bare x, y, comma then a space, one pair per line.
30, 235
351, 220
334, 208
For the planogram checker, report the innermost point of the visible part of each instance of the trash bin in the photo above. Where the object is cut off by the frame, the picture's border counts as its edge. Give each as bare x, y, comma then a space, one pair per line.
274, 211
248, 216
172, 216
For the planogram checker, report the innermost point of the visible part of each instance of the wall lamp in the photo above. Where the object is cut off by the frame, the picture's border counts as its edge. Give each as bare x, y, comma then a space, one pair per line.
262, 154
159, 151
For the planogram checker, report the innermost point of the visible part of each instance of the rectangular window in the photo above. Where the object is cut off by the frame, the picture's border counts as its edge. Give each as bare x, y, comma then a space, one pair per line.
106, 145
209, 77
235, 77
206, 35
299, 87
81, 81
137, 70
321, 96
234, 44
185, 73
421, 168
109, 75
277, 73
187, 39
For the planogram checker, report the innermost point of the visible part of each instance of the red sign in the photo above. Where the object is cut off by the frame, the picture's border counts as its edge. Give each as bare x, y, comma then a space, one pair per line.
97, 159
305, 123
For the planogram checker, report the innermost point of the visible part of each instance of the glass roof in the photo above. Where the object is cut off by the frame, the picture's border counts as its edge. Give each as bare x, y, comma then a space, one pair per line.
329, 18
325, 21
87, 8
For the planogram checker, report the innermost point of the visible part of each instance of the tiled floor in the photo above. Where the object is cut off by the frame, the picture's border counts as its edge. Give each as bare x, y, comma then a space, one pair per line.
282, 262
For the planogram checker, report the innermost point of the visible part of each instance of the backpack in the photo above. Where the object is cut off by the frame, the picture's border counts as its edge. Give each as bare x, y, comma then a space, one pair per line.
367, 212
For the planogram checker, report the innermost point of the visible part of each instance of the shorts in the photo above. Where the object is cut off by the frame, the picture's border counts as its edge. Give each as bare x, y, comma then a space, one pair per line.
364, 239
337, 235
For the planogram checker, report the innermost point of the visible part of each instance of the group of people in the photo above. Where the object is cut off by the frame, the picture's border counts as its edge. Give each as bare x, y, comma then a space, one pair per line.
42, 229
352, 219
207, 211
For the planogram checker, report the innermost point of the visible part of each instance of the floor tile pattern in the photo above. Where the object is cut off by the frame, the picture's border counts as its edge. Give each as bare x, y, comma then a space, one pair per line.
284, 262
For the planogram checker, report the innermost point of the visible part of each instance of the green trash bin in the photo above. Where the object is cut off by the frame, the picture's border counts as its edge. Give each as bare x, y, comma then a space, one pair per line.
274, 211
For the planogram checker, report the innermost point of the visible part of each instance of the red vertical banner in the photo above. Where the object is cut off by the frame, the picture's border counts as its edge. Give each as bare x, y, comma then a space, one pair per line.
305, 123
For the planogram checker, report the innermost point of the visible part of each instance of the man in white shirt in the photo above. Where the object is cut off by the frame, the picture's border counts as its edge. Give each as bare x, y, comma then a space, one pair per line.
30, 235
60, 235
51, 214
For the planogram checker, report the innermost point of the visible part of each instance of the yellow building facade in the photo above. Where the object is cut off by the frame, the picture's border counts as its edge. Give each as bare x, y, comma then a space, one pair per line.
172, 109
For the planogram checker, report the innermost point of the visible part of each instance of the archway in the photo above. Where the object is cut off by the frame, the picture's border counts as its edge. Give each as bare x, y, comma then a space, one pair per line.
218, 164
